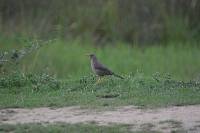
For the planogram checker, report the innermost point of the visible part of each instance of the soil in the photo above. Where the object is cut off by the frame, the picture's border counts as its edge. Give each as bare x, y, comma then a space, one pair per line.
183, 118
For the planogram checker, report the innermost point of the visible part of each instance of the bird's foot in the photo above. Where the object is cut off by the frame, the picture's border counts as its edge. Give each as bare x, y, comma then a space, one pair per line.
99, 80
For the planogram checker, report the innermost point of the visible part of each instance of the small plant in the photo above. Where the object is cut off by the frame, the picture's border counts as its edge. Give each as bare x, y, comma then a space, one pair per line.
14, 56
37, 82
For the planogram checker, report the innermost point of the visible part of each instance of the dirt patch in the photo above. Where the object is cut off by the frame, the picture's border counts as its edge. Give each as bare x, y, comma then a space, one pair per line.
163, 119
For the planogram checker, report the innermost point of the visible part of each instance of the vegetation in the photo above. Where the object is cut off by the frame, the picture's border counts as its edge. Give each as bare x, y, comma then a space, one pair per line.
133, 21
58, 74
67, 59
153, 44
30, 90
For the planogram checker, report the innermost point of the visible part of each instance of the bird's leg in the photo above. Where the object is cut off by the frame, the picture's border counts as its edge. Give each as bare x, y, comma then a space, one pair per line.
99, 80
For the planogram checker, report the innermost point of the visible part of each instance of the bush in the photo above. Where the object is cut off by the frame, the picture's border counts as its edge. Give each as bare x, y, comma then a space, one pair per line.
126, 20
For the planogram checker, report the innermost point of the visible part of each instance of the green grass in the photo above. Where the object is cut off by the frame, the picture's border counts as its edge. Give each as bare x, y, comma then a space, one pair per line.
71, 128
62, 128
30, 90
154, 76
66, 59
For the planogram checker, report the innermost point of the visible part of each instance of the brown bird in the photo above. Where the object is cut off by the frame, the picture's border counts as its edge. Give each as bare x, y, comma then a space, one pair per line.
99, 69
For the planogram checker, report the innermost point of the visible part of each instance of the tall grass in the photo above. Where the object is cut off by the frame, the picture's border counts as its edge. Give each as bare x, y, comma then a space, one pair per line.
129, 21
67, 59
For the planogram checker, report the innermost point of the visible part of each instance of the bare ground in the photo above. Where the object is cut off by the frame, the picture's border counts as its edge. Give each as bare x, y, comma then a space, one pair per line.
162, 119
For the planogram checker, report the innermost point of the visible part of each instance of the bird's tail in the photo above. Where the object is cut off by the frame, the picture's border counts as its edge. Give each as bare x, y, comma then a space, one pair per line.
118, 76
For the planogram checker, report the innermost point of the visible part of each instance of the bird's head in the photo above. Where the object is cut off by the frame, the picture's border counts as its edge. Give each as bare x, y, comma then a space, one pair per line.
91, 56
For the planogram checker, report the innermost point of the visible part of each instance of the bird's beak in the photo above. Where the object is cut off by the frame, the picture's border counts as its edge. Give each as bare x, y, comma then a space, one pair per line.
87, 54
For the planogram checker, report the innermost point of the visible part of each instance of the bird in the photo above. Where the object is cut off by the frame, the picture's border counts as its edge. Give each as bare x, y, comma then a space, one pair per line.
99, 69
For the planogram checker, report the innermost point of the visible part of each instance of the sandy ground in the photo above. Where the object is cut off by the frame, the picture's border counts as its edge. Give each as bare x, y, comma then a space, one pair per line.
163, 119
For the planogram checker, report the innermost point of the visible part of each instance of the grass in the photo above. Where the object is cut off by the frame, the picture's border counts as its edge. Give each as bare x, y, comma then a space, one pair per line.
72, 128
62, 128
32, 90
59, 74
154, 77
66, 59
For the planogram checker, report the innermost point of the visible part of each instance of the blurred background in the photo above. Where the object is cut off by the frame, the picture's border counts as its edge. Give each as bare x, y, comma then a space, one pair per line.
130, 36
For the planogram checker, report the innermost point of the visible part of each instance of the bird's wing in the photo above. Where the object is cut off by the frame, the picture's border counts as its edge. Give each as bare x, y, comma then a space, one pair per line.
105, 70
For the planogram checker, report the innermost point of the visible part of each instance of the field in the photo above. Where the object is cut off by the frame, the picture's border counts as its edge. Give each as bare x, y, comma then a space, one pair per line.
34, 91
46, 81
66, 59
59, 75
72, 128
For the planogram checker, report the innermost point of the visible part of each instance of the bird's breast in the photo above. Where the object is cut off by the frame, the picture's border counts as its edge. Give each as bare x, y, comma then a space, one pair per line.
92, 66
